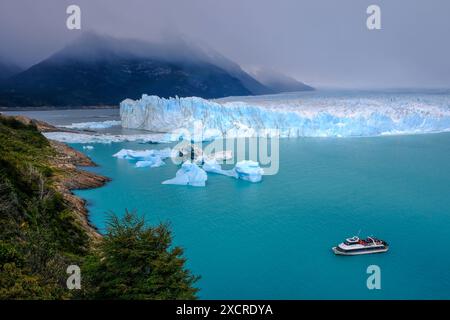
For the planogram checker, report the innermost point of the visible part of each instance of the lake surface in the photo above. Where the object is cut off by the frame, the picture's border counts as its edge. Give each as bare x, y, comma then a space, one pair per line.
69, 116
273, 240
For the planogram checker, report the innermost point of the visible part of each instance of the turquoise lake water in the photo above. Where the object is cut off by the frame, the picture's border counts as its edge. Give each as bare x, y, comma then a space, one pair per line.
273, 240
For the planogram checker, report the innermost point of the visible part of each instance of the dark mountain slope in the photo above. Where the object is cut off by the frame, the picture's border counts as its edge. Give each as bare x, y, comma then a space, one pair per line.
7, 70
103, 70
97, 70
108, 82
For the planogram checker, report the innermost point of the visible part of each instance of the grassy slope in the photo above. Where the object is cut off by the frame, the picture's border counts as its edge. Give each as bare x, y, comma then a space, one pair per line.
39, 235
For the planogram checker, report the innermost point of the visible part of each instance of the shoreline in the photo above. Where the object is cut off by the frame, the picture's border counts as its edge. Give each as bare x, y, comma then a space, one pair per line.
68, 175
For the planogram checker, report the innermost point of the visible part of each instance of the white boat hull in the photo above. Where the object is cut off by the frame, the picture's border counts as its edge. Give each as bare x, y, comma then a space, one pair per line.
356, 253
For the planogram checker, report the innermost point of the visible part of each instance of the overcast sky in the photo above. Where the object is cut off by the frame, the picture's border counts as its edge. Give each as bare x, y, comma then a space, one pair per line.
320, 42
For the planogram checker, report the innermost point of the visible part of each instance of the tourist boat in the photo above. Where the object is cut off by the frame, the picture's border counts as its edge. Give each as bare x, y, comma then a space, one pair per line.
355, 246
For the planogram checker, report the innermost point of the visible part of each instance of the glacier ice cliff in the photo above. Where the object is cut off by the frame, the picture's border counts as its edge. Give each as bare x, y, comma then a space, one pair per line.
290, 116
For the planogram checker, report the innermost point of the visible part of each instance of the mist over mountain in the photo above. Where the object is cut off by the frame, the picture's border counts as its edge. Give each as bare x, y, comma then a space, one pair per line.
103, 70
8, 69
278, 82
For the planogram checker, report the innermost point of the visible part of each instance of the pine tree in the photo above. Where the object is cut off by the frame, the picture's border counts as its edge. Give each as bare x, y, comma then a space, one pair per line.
136, 261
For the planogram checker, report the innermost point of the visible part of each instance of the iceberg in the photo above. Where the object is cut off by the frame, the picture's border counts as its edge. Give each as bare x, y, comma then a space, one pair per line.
213, 167
289, 115
220, 155
192, 173
249, 170
187, 152
245, 170
153, 163
143, 154
145, 158
189, 174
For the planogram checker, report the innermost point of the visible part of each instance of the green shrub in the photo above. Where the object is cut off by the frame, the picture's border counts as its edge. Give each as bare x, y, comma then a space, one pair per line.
135, 261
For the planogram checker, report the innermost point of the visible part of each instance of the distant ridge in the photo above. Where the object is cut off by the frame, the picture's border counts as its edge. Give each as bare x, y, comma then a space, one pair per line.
278, 82
97, 70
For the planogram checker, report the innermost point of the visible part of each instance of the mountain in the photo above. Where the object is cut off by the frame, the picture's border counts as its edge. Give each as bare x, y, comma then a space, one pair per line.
206, 53
102, 70
278, 82
7, 70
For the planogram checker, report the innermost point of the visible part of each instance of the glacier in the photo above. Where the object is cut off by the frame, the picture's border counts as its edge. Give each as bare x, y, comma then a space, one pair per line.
289, 115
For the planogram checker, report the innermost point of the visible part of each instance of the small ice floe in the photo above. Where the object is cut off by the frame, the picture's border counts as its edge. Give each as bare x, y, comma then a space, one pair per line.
249, 170
88, 147
192, 152
212, 166
145, 158
142, 154
221, 155
245, 170
153, 162
189, 174
187, 152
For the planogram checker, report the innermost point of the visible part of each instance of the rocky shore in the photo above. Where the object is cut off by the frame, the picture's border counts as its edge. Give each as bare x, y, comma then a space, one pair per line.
66, 162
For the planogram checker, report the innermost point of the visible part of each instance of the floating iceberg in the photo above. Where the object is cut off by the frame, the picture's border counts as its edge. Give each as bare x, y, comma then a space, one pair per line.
153, 163
189, 174
290, 115
246, 170
185, 151
220, 155
145, 158
249, 170
212, 166
88, 147
142, 154
93, 125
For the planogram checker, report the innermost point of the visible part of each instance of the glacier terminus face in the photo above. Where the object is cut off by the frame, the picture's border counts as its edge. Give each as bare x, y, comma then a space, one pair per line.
293, 115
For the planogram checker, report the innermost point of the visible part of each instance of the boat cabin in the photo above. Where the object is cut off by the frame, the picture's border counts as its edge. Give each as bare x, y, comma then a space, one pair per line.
352, 240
